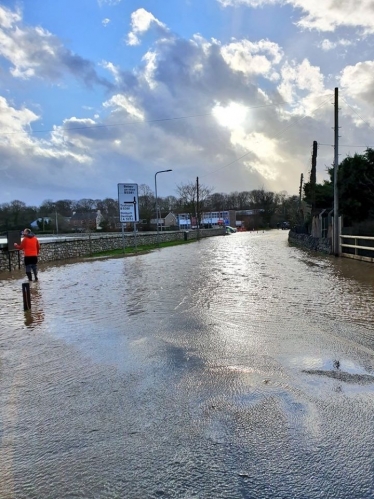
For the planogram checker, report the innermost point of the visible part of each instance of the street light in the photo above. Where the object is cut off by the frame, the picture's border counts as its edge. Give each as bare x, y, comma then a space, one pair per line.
161, 171
56, 221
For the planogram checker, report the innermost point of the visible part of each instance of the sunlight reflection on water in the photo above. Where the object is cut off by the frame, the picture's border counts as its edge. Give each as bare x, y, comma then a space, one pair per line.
147, 374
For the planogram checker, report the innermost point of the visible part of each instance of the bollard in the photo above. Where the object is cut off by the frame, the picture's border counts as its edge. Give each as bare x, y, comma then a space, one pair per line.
185, 235
26, 296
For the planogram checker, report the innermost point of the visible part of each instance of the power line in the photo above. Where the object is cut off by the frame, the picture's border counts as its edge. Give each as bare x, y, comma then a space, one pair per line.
361, 118
137, 122
275, 136
346, 145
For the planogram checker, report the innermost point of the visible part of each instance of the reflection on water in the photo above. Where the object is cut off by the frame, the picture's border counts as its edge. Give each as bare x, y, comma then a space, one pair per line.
233, 367
35, 316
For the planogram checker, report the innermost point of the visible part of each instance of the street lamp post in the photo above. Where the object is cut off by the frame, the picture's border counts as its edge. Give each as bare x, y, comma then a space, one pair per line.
161, 171
56, 221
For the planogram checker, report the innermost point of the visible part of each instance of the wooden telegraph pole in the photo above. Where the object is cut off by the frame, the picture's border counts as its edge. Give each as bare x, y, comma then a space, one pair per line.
197, 208
313, 175
336, 235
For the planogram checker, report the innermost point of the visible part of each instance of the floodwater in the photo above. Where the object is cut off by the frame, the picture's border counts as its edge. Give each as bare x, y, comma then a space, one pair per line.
234, 367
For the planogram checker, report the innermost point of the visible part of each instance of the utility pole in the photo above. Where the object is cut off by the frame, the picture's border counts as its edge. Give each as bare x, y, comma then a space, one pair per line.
197, 208
300, 194
157, 207
336, 235
313, 175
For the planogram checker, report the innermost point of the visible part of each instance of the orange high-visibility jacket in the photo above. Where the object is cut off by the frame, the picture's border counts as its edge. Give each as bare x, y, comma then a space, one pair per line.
29, 245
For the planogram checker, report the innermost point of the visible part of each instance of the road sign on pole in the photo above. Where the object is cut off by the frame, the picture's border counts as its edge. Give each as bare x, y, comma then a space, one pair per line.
128, 203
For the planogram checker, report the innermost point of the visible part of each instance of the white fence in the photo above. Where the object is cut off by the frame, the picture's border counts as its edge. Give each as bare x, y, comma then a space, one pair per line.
357, 247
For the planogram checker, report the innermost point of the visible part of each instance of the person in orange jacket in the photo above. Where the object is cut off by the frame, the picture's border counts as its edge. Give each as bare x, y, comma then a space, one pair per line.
31, 247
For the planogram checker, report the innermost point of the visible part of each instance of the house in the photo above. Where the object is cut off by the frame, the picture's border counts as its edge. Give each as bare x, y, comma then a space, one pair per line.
83, 220
36, 224
171, 220
168, 220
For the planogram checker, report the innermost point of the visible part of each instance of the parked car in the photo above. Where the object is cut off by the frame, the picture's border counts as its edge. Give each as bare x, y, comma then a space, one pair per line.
230, 230
285, 225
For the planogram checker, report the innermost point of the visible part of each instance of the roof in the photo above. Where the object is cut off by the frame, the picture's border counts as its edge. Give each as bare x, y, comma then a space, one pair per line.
84, 215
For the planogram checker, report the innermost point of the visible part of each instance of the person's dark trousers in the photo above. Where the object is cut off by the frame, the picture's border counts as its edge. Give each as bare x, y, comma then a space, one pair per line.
35, 271
31, 266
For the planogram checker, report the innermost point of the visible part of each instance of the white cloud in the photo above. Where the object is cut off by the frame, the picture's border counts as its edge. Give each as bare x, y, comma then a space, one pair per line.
192, 104
323, 16
108, 2
357, 90
15, 123
34, 52
327, 45
8, 18
141, 22
296, 79
105, 22
39, 162
253, 58
123, 103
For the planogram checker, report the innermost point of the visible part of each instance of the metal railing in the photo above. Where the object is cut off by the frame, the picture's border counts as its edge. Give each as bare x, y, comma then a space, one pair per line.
357, 247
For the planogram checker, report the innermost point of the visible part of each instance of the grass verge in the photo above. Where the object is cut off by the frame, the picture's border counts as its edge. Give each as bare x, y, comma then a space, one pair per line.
141, 248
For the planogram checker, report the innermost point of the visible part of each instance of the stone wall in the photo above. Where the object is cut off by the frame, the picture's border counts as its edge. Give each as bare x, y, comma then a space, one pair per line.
67, 248
322, 245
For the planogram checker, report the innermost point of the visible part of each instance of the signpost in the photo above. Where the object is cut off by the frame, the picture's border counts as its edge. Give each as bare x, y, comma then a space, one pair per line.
128, 206
128, 203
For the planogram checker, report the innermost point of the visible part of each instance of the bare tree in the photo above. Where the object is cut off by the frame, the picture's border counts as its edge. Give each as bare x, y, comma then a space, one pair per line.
85, 205
266, 201
217, 202
146, 202
188, 197
64, 207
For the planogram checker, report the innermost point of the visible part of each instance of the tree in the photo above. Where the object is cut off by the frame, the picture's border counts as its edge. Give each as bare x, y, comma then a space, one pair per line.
44, 224
170, 203
188, 197
217, 202
5, 223
64, 207
266, 201
85, 205
21, 215
147, 209
47, 208
244, 199
323, 194
108, 207
356, 186
290, 209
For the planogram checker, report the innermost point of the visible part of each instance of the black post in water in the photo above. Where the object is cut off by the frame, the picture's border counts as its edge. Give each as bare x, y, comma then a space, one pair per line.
26, 296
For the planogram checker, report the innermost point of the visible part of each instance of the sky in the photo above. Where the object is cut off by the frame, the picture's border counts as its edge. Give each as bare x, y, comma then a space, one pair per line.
99, 92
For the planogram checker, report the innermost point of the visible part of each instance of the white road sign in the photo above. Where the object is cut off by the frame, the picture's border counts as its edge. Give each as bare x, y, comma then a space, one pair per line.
128, 203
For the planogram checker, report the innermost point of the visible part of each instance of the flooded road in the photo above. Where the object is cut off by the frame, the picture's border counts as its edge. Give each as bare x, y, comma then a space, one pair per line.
235, 367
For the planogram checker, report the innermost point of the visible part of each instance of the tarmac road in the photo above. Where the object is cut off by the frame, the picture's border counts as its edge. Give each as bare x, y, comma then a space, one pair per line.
235, 367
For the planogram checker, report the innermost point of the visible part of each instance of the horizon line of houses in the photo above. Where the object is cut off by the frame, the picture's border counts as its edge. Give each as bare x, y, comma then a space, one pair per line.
217, 218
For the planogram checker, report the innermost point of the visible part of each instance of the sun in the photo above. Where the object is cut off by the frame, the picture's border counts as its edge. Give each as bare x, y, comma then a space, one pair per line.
231, 116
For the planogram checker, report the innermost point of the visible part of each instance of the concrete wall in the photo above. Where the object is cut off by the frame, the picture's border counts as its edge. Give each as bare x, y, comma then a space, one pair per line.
323, 245
64, 249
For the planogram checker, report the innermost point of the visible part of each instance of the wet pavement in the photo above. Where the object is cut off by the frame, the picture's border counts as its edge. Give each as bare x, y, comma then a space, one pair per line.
234, 367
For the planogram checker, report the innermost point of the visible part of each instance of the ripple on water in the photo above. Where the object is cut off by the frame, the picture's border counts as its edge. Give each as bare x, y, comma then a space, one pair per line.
206, 370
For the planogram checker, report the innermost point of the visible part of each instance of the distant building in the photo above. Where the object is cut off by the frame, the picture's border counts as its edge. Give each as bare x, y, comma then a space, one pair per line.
184, 221
168, 220
219, 218
39, 221
83, 220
